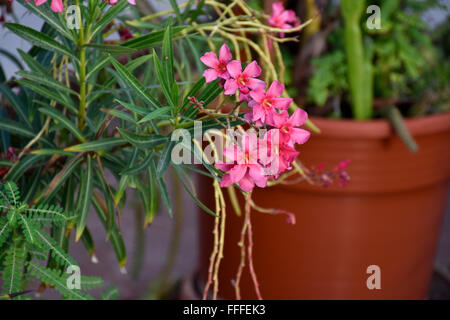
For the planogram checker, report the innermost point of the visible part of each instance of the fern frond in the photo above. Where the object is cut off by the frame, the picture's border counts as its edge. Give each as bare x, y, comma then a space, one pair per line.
12, 273
56, 279
27, 228
12, 192
88, 283
111, 293
49, 214
46, 242
5, 229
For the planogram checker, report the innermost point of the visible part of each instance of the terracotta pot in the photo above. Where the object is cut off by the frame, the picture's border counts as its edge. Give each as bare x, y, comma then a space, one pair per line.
389, 215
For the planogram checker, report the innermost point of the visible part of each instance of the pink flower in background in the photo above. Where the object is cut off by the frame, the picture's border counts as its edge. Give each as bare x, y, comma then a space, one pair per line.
282, 18
264, 103
243, 80
245, 169
289, 134
114, 2
218, 65
56, 5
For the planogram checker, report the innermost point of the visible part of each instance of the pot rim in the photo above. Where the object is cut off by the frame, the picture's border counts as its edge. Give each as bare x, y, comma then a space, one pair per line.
380, 128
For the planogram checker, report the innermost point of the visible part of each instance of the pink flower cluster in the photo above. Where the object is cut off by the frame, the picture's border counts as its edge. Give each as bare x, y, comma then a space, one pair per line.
256, 159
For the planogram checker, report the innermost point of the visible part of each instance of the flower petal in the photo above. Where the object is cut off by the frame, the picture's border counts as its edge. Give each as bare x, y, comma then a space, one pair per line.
282, 103
234, 68
230, 86
238, 172
246, 184
224, 53
258, 94
298, 118
226, 181
253, 83
299, 136
210, 75
275, 90
252, 70
210, 59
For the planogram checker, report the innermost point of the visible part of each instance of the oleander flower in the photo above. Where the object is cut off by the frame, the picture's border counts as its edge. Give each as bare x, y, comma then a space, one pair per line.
265, 103
289, 133
245, 168
218, 65
243, 80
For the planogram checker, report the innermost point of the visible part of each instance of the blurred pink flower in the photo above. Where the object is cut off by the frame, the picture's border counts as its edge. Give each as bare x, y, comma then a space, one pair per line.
218, 66
281, 18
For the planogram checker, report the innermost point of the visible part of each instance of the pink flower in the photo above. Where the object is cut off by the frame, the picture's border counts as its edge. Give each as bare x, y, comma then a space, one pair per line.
281, 18
218, 66
114, 2
289, 134
264, 103
245, 168
56, 5
244, 81
281, 154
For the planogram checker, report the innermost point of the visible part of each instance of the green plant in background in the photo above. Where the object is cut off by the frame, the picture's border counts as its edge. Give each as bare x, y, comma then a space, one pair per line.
403, 53
359, 68
401, 64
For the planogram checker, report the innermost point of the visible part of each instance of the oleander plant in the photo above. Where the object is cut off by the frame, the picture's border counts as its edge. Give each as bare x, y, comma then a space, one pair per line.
98, 108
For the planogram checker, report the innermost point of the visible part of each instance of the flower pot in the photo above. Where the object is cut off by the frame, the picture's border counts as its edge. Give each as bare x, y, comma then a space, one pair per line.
389, 215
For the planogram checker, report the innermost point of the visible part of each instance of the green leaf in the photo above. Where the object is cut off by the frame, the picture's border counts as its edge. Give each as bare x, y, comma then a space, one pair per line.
58, 116
151, 39
111, 14
167, 89
143, 142
85, 196
17, 104
46, 242
88, 283
24, 164
47, 93
134, 170
155, 114
139, 110
18, 129
120, 115
43, 79
5, 230
195, 198
32, 63
115, 238
27, 228
57, 280
163, 190
111, 49
103, 144
111, 293
12, 273
39, 39
165, 159
134, 84
167, 52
